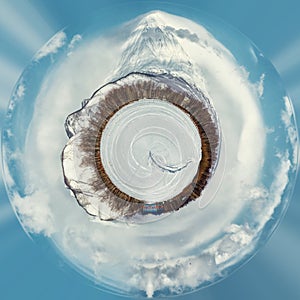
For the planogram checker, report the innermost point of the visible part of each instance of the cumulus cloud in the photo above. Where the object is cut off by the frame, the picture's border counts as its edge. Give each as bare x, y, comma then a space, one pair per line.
56, 42
275, 196
233, 243
34, 213
155, 255
74, 42
260, 85
184, 34
20, 92
287, 116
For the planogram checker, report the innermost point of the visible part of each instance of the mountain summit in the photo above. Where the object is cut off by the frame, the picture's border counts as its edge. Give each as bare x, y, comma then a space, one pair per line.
154, 47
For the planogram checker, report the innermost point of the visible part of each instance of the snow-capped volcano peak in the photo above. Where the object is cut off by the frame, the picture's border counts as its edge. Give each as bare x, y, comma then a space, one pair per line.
153, 19
153, 47
160, 43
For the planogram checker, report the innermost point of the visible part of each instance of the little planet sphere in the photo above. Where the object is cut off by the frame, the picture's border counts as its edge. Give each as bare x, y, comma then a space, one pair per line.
156, 156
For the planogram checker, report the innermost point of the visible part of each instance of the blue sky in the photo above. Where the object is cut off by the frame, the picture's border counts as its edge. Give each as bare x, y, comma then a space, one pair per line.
30, 272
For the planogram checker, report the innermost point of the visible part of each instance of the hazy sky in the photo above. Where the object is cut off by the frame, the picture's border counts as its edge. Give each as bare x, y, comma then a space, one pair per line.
14, 69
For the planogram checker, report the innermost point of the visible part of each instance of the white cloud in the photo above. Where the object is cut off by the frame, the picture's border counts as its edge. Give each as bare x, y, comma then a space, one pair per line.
232, 244
20, 92
56, 42
154, 255
276, 191
36, 213
260, 85
287, 117
74, 42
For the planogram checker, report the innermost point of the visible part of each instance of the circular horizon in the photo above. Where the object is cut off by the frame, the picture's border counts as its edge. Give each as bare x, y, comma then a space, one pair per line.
257, 176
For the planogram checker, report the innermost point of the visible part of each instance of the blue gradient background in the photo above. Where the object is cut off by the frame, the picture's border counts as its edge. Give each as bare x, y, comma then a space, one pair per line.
29, 271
